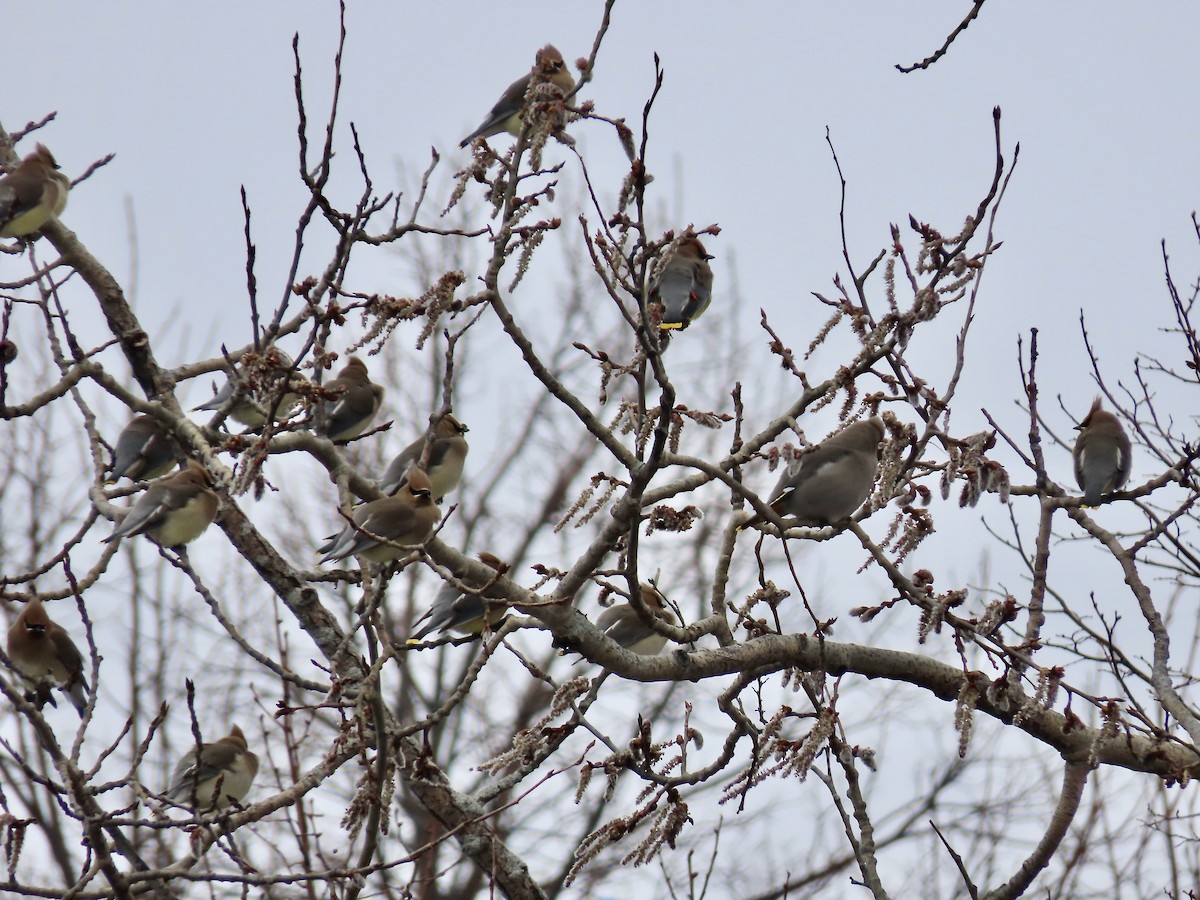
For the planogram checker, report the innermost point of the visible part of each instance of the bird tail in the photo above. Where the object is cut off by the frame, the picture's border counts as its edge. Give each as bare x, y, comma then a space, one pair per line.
77, 693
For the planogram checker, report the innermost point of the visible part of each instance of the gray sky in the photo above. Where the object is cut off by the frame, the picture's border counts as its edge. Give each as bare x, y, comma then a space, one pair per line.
195, 102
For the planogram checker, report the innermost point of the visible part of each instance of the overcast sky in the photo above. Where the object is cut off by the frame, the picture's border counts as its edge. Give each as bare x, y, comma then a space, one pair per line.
196, 102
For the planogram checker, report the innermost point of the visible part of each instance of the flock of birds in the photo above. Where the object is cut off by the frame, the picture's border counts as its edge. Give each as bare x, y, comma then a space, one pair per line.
823, 486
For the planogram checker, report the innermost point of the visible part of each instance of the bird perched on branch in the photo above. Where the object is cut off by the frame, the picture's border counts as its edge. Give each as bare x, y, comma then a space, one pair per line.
682, 286
447, 455
144, 450
221, 774
45, 655
33, 192
1103, 454
356, 400
829, 482
466, 613
250, 409
174, 510
622, 623
384, 530
548, 68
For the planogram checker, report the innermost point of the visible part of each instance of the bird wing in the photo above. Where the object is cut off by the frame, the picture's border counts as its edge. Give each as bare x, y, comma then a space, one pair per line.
18, 195
682, 298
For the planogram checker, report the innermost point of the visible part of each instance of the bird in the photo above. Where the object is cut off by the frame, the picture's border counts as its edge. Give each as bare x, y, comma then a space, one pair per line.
831, 481
447, 454
43, 652
31, 193
466, 613
228, 761
1103, 454
356, 400
406, 520
251, 406
683, 285
174, 510
144, 450
621, 623
8, 351
549, 67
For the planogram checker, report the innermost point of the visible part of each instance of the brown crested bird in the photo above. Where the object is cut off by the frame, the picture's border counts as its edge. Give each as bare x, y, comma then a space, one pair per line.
548, 68
1103, 454
46, 657
621, 623
251, 406
227, 763
466, 613
144, 450
828, 483
31, 193
683, 286
447, 455
173, 510
356, 400
384, 530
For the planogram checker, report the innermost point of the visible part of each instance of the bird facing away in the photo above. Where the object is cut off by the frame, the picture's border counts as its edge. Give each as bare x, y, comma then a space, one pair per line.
683, 286
1103, 454
194, 783
356, 400
33, 192
447, 454
465, 613
173, 510
144, 450
251, 407
831, 481
46, 656
406, 519
621, 623
548, 67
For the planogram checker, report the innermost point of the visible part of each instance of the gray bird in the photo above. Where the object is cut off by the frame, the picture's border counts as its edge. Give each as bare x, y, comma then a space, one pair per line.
831, 481
447, 454
549, 67
406, 519
144, 450
683, 286
249, 408
45, 655
173, 510
621, 623
356, 400
1103, 454
33, 192
227, 761
465, 613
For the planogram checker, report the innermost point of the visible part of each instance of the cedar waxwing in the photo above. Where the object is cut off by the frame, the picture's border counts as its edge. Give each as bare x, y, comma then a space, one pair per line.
144, 450
1103, 454
173, 510
406, 519
621, 623
43, 652
465, 613
355, 401
246, 409
683, 286
33, 192
548, 67
832, 480
195, 784
447, 454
